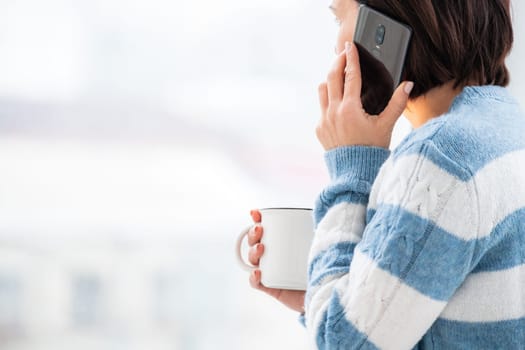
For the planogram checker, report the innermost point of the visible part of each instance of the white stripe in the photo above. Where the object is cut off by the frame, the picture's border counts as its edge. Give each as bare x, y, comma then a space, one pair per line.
312, 289
392, 314
489, 297
416, 184
394, 181
499, 188
385, 169
318, 304
421, 187
343, 222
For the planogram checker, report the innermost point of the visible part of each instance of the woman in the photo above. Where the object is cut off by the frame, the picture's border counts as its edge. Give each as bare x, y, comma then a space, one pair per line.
425, 247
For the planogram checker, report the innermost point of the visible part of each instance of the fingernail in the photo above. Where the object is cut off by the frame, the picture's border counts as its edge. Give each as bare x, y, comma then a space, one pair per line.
408, 87
348, 47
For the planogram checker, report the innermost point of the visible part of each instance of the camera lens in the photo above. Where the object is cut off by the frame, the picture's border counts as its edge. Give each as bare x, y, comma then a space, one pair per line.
380, 34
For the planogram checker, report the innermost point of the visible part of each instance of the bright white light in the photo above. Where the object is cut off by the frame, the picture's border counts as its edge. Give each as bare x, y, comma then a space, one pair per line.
43, 50
73, 187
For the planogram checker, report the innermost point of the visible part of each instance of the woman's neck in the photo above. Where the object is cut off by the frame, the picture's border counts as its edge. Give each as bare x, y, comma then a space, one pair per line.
434, 103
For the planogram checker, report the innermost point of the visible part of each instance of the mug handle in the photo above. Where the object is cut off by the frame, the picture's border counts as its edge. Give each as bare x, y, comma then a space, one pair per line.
240, 260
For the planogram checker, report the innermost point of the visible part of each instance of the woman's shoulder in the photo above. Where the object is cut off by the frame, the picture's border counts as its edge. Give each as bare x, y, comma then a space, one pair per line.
483, 123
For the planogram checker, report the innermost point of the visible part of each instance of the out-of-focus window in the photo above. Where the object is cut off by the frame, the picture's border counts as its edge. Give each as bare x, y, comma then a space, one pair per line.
135, 136
87, 298
10, 306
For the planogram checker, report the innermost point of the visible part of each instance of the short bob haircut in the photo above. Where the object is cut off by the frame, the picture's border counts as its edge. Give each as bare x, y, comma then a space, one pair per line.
464, 41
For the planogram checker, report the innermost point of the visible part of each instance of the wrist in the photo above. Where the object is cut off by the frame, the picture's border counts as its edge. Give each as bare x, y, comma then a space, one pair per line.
359, 162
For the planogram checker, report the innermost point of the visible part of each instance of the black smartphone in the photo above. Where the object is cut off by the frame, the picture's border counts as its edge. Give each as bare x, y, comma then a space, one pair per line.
382, 43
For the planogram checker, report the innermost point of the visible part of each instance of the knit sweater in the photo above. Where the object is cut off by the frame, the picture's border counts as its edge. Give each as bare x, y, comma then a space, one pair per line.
424, 247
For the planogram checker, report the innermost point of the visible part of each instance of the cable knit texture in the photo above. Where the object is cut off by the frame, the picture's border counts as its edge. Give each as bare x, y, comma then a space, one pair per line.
424, 248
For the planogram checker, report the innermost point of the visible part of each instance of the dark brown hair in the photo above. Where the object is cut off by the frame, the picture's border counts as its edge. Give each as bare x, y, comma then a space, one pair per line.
464, 41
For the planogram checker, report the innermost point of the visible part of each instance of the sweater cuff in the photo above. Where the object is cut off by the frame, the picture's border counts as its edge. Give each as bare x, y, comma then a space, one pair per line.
359, 162
302, 319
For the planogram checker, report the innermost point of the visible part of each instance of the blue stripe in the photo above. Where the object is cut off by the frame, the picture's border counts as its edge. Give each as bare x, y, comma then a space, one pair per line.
429, 150
507, 335
447, 162
335, 194
467, 135
353, 170
507, 244
335, 332
415, 250
369, 215
333, 261
503, 249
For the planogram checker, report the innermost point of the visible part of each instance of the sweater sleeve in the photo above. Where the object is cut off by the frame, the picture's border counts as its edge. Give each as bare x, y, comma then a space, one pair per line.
380, 274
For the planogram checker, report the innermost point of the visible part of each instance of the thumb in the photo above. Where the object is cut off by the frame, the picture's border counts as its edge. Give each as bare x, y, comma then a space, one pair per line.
397, 103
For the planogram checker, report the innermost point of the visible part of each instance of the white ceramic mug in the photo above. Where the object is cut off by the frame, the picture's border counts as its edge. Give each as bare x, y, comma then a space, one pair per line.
287, 237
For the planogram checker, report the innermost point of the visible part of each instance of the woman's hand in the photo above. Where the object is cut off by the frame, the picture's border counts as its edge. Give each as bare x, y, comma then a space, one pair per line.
344, 122
292, 298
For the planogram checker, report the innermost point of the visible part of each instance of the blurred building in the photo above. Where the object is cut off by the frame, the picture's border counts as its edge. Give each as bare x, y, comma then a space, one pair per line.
117, 294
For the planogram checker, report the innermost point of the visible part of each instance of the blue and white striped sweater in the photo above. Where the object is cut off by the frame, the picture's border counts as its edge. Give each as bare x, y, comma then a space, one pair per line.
425, 248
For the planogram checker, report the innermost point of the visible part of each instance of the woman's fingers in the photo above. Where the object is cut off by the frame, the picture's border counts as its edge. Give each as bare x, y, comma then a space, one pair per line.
255, 253
344, 122
294, 299
255, 235
255, 282
256, 215
323, 96
255, 279
344, 80
335, 78
397, 104
352, 87
254, 239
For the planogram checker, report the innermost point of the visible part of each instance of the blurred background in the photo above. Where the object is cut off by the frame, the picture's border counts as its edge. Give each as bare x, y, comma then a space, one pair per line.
135, 137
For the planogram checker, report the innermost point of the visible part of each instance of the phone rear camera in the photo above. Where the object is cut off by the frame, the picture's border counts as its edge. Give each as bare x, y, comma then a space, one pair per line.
380, 34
